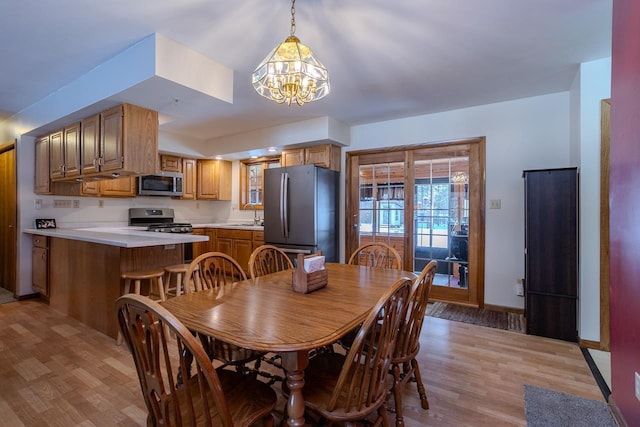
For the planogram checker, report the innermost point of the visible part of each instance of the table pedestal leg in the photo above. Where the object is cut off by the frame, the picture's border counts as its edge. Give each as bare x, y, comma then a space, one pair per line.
295, 363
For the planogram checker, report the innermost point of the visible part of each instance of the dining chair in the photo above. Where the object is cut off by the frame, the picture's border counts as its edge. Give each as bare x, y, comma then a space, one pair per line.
179, 384
347, 388
404, 365
267, 259
213, 270
376, 254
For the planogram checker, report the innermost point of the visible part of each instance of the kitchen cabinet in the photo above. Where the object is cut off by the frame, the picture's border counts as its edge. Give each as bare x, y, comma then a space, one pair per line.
128, 140
42, 182
200, 248
120, 141
64, 151
170, 163
551, 252
325, 156
121, 187
189, 179
214, 180
40, 265
90, 147
238, 244
258, 239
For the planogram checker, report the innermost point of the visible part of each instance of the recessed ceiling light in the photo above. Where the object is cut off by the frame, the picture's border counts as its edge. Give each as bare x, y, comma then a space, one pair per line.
254, 157
272, 149
218, 157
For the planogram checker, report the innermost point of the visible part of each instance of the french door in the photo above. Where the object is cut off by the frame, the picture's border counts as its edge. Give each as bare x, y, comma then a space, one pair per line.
427, 202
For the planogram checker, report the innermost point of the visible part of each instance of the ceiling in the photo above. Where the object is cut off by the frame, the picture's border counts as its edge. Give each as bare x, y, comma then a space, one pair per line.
386, 59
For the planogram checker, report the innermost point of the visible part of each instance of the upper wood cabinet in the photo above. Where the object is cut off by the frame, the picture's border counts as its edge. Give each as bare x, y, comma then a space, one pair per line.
214, 180
64, 152
42, 183
121, 187
120, 141
325, 156
189, 179
90, 147
170, 163
128, 140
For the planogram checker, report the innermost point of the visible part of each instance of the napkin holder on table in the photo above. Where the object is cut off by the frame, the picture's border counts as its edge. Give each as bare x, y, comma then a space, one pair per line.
305, 282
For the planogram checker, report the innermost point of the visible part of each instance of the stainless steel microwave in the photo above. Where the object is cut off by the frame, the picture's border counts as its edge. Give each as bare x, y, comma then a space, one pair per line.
161, 184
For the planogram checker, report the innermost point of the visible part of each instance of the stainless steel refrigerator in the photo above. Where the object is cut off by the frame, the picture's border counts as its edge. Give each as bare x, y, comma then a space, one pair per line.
301, 210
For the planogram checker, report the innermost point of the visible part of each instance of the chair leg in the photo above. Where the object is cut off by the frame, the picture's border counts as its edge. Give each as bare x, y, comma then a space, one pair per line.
397, 395
421, 391
127, 289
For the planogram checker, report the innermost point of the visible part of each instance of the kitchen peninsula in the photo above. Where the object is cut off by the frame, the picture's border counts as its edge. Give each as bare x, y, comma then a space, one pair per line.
83, 266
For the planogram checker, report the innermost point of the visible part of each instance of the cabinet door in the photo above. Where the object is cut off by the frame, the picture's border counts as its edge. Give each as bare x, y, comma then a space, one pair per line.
225, 245
242, 252
90, 188
319, 155
199, 248
207, 186
121, 187
90, 144
42, 183
56, 155
189, 179
293, 157
39, 270
111, 139
170, 163
214, 180
71, 146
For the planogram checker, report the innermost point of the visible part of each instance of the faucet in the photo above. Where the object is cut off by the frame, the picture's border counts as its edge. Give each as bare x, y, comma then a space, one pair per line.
256, 220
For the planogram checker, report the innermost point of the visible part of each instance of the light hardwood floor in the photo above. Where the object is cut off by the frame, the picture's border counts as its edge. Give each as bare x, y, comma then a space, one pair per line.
55, 371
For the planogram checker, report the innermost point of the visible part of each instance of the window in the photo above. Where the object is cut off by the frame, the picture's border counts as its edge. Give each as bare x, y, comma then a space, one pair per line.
252, 180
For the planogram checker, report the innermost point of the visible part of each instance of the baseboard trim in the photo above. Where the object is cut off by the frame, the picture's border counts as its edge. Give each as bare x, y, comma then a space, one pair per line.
28, 296
504, 309
617, 415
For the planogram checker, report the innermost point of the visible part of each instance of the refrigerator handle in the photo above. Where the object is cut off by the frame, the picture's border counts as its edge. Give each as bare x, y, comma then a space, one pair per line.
284, 204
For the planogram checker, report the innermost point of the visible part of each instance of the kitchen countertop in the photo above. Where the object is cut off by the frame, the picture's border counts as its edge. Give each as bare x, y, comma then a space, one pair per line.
129, 237
240, 225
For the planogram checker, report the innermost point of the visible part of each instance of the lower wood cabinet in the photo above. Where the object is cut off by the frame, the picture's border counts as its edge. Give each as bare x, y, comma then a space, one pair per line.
40, 265
236, 243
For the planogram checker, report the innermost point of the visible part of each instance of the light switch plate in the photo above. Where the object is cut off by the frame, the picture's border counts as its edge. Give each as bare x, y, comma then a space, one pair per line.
495, 204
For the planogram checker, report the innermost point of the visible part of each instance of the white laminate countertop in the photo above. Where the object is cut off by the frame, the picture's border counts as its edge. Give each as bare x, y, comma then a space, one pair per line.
129, 237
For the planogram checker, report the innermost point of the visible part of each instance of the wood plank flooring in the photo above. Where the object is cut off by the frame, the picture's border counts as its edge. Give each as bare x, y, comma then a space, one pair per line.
55, 371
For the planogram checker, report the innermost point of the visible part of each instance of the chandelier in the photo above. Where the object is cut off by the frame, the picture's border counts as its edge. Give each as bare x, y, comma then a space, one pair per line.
291, 73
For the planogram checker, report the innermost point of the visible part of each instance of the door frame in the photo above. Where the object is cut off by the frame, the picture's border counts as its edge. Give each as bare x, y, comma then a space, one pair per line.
605, 143
9, 218
476, 148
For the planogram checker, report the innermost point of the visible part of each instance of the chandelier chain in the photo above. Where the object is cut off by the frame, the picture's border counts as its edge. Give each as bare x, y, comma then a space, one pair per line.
293, 17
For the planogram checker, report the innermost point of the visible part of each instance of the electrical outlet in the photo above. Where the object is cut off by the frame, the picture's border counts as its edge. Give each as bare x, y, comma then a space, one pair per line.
38, 203
76, 204
519, 289
62, 203
637, 386
101, 203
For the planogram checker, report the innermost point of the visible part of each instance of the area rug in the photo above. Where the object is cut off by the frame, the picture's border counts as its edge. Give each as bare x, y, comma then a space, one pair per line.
548, 408
477, 316
6, 296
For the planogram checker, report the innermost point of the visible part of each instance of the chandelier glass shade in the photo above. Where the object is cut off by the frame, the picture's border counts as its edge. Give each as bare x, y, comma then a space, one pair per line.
291, 73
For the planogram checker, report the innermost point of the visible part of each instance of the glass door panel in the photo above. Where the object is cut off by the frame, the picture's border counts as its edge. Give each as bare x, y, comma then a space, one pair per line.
441, 218
381, 204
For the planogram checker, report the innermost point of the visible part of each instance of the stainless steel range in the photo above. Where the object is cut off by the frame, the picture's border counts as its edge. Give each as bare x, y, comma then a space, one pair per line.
157, 220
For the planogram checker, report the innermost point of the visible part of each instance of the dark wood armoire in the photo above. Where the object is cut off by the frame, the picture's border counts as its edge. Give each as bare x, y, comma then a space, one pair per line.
551, 252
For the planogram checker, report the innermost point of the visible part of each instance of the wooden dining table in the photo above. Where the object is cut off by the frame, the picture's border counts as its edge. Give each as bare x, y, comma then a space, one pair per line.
265, 314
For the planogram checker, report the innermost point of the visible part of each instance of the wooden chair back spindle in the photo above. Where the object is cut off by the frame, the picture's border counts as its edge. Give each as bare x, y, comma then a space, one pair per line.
376, 254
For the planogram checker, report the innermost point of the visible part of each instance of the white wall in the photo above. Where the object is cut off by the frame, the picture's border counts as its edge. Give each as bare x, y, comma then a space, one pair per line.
530, 133
595, 85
